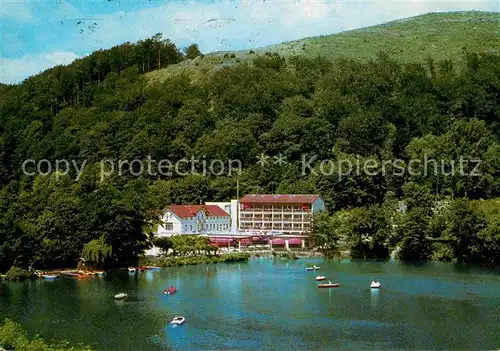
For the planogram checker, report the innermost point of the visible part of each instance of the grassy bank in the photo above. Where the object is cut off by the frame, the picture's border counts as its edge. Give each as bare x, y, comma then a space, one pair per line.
192, 260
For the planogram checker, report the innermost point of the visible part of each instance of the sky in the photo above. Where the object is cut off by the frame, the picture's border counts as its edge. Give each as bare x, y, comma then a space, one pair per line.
38, 34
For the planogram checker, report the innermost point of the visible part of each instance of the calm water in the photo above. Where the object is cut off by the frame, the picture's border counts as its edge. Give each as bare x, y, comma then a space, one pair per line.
266, 305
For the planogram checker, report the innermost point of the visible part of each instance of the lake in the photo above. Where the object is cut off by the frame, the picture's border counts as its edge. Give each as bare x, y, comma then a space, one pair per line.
265, 304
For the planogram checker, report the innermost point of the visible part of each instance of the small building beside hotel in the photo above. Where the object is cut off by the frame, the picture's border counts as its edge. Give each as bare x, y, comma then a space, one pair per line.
194, 219
279, 214
231, 208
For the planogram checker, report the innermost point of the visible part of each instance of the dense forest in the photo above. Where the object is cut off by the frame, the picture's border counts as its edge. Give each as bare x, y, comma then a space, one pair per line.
102, 107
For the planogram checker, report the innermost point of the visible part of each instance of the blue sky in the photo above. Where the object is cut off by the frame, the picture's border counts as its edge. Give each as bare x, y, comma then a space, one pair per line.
38, 34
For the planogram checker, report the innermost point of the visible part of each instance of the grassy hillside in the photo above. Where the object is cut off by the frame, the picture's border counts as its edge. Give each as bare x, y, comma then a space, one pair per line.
439, 35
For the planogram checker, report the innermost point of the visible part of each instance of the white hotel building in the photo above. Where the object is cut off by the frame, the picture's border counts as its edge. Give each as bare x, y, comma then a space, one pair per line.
194, 219
283, 214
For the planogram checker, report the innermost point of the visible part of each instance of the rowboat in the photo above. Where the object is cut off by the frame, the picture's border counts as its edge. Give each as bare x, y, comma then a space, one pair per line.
152, 268
320, 277
329, 285
178, 320
121, 296
170, 290
49, 276
70, 274
313, 268
75, 275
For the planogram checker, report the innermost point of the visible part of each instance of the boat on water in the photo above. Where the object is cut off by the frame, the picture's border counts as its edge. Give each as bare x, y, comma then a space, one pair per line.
152, 268
178, 320
100, 273
320, 277
70, 274
170, 290
131, 269
375, 285
49, 276
75, 275
329, 285
313, 268
121, 296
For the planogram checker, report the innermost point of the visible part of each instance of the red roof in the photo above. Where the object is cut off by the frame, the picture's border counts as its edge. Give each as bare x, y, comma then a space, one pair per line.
279, 199
185, 211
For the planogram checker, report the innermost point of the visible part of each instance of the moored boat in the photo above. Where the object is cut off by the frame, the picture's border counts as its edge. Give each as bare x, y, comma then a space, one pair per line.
70, 274
178, 320
152, 268
131, 269
49, 276
313, 268
320, 277
121, 296
329, 285
375, 285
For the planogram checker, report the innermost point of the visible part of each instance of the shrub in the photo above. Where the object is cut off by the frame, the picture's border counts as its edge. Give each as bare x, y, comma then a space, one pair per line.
442, 252
232, 55
14, 337
17, 273
251, 52
285, 255
193, 260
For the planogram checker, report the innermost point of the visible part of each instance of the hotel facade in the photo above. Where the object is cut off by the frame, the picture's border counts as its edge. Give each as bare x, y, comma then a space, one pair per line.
194, 219
278, 214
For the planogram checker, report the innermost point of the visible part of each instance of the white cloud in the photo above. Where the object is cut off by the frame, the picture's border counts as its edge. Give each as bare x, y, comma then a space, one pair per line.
16, 70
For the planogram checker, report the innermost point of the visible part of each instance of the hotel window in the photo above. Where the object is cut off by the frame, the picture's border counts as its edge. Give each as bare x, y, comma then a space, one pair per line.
169, 226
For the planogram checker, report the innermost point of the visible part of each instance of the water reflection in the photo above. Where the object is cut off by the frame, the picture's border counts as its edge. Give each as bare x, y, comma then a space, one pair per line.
149, 276
375, 297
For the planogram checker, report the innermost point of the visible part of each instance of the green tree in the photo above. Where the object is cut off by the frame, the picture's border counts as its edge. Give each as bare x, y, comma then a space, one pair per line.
97, 251
414, 230
323, 232
192, 51
164, 244
463, 226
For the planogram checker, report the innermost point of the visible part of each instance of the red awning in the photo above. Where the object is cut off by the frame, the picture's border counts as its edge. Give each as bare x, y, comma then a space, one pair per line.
245, 241
278, 242
220, 240
295, 242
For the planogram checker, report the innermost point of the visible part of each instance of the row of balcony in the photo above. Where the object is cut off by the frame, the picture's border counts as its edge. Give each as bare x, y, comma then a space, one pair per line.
260, 219
275, 226
275, 215
281, 210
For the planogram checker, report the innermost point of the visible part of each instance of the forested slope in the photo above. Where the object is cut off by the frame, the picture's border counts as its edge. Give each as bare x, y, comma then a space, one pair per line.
297, 108
438, 36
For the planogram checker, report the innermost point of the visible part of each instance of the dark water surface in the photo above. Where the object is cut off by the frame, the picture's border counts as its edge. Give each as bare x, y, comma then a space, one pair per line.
268, 305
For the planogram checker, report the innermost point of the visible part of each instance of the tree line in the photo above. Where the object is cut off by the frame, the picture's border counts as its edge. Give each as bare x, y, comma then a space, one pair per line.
296, 107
